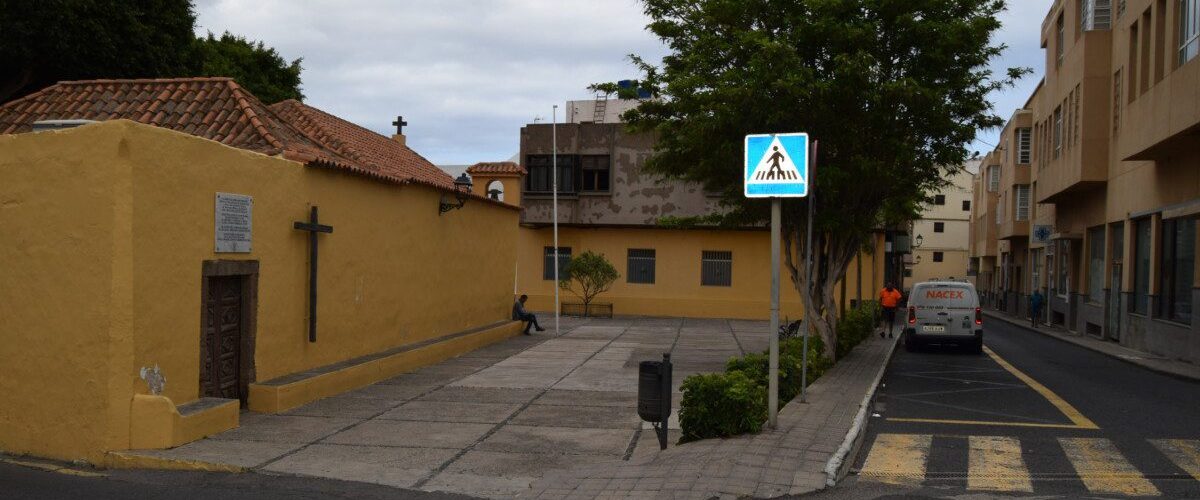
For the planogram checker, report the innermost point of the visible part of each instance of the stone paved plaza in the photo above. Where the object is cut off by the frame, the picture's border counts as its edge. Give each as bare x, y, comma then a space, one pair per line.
490, 422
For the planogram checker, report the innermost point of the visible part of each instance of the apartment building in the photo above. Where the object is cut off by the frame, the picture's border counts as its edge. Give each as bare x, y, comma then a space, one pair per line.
1113, 183
941, 237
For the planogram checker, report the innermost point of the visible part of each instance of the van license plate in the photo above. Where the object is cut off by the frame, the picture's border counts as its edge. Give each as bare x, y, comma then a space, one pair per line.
935, 328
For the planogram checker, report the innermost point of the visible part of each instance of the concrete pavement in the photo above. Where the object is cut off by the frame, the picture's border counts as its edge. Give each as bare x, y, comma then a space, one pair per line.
491, 422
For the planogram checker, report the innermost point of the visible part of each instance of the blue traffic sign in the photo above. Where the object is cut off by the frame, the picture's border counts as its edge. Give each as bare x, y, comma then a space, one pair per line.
776, 165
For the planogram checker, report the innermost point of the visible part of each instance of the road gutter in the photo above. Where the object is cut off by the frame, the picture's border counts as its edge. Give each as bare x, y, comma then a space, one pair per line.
837, 466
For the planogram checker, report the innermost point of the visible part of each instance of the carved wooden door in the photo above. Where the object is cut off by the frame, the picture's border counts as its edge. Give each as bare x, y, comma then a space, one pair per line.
220, 356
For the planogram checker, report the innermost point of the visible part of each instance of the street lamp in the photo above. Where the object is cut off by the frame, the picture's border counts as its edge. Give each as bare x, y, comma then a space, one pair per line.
462, 191
917, 243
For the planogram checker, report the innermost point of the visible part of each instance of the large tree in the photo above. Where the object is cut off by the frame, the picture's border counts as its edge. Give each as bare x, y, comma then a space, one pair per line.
253, 65
891, 89
46, 41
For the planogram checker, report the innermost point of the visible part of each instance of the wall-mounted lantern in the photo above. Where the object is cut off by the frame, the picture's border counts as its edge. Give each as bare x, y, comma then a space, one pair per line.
462, 191
917, 243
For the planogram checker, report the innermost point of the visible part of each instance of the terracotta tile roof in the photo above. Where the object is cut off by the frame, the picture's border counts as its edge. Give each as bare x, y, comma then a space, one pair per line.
212, 108
367, 149
496, 167
219, 109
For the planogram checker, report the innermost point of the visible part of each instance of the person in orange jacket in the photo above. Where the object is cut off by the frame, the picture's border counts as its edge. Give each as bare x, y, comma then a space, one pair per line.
889, 298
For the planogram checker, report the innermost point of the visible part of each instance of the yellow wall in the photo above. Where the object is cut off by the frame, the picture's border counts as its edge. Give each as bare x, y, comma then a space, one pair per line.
676, 290
107, 225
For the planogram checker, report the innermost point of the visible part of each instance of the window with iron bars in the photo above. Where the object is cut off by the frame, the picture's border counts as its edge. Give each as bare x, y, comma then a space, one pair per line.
716, 268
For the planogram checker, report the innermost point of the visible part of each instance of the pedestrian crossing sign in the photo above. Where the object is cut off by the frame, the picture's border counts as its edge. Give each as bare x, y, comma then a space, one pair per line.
776, 165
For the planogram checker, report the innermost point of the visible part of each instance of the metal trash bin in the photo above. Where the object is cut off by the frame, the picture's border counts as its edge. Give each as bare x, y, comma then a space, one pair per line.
654, 395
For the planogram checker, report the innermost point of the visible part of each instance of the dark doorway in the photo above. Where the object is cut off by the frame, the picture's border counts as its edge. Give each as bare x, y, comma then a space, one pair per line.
227, 329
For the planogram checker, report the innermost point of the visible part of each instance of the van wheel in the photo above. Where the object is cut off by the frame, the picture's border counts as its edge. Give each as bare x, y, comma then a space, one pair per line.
977, 347
910, 344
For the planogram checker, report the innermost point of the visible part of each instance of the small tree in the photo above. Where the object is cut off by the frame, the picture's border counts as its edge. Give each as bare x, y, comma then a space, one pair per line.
593, 275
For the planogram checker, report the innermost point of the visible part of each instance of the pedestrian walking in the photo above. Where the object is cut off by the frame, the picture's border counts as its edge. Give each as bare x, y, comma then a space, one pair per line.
1035, 308
889, 299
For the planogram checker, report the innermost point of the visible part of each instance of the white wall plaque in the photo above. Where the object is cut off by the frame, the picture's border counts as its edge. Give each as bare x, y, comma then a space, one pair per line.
233, 222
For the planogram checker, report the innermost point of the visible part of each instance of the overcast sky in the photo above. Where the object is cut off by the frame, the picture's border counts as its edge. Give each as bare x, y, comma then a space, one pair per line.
467, 74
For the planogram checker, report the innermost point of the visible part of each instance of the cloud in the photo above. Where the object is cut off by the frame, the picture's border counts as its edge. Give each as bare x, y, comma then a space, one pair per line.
467, 74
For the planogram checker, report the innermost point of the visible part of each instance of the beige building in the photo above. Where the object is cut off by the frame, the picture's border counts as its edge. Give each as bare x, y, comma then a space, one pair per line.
941, 237
1102, 216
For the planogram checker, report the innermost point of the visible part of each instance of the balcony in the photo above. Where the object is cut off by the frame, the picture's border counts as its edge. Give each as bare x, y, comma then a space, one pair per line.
1165, 120
1081, 90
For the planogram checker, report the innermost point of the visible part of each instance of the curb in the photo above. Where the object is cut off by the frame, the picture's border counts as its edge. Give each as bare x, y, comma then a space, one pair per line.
1091, 347
837, 464
123, 460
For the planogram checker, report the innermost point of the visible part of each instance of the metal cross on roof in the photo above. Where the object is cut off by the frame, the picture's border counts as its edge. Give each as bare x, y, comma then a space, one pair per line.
400, 123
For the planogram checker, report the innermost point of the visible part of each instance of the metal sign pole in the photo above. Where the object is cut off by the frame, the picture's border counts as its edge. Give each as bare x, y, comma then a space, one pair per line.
554, 210
773, 357
812, 196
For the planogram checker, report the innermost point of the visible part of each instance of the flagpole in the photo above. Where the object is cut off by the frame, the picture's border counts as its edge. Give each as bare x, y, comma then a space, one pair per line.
554, 210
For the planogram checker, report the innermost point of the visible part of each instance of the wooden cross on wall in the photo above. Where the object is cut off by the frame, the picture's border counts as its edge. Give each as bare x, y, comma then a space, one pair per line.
313, 227
400, 124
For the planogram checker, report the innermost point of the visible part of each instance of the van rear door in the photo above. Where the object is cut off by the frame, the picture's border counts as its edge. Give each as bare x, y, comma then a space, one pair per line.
944, 309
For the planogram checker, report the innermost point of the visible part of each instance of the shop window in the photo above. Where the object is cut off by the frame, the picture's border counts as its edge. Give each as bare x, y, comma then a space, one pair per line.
1096, 264
1177, 270
1141, 266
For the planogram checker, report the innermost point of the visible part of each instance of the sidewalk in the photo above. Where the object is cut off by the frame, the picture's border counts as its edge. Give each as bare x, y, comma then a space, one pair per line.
1144, 359
804, 454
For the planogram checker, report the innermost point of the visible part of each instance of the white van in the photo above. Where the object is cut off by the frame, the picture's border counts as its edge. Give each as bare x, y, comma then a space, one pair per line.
944, 312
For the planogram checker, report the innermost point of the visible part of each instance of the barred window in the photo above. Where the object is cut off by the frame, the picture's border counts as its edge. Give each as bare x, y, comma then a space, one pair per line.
1023, 145
1023, 202
640, 266
716, 268
564, 256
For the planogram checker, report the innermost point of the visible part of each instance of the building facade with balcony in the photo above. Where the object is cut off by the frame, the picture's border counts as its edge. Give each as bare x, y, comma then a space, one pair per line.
1109, 234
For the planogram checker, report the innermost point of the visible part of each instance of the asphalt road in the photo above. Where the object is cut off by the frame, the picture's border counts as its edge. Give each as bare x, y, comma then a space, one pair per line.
21, 482
1035, 417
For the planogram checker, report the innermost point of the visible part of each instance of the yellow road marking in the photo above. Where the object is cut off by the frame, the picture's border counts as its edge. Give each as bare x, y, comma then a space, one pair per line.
898, 459
1103, 469
1080, 421
983, 422
1185, 454
996, 465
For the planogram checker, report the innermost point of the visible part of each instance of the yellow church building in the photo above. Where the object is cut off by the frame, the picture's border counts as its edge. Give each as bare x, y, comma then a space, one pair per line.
194, 251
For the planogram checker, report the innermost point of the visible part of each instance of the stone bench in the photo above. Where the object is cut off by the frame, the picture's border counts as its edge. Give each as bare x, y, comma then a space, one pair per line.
296, 389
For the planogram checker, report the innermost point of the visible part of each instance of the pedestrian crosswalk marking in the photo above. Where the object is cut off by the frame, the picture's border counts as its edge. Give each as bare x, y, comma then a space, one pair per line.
1103, 469
898, 459
1185, 454
995, 464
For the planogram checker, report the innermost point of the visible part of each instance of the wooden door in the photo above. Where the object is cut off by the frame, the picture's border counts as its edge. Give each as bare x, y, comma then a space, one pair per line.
220, 353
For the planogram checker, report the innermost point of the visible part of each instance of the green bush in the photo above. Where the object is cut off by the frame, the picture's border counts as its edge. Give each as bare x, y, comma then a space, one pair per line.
721, 405
855, 326
735, 402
